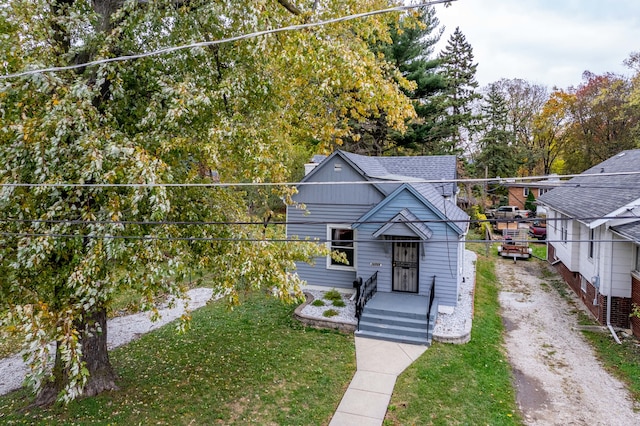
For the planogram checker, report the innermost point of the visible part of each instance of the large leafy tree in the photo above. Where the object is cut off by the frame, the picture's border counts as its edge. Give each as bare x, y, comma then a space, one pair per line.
86, 153
524, 101
550, 130
603, 121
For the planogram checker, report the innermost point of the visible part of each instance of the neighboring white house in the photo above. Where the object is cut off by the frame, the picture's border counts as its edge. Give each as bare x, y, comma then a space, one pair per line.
593, 235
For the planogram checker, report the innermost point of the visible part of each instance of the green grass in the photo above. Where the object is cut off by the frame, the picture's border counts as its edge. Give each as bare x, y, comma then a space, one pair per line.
621, 360
253, 365
539, 250
461, 384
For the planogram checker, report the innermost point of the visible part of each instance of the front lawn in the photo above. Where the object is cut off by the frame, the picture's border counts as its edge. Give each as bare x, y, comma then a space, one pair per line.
254, 364
461, 384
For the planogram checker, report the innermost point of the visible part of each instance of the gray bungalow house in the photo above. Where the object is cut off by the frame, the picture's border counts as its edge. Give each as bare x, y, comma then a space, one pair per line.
403, 237
593, 234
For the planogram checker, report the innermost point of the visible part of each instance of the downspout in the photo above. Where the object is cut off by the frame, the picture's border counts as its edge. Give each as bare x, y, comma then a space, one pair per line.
613, 333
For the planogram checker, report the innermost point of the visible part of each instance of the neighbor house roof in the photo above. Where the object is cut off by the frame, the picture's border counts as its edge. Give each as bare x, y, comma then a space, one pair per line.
597, 193
423, 167
630, 231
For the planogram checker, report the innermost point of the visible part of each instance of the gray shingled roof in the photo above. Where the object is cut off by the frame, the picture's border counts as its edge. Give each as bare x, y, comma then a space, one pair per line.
592, 195
449, 209
629, 230
434, 167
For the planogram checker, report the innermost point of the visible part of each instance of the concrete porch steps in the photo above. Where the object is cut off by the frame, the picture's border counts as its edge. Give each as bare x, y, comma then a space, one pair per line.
398, 317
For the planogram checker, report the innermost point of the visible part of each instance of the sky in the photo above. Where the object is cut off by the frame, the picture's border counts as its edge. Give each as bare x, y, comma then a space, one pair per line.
546, 42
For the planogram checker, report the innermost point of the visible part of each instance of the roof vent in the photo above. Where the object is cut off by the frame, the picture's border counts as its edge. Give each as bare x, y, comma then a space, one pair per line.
602, 170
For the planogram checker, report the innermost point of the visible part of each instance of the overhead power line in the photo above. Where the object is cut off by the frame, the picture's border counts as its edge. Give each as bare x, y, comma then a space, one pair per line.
299, 222
225, 40
281, 240
496, 180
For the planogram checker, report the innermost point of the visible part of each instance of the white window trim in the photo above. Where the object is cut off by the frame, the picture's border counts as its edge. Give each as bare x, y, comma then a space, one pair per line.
355, 247
525, 191
564, 229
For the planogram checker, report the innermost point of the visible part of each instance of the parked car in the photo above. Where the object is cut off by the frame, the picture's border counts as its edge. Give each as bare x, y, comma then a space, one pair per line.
538, 230
507, 212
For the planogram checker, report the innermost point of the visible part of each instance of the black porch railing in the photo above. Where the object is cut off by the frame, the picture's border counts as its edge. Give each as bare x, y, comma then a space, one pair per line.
364, 292
432, 295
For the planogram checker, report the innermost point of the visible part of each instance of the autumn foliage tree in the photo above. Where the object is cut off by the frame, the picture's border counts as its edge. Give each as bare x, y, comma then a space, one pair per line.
550, 134
87, 155
603, 121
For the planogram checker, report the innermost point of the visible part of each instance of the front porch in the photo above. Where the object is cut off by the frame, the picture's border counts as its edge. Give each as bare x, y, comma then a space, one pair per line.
399, 317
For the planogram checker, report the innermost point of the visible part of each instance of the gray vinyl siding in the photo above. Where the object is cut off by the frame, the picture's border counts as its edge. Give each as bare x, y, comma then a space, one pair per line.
338, 194
346, 203
330, 204
438, 255
319, 216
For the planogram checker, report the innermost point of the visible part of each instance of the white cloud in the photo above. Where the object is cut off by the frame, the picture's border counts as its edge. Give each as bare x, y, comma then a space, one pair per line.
545, 42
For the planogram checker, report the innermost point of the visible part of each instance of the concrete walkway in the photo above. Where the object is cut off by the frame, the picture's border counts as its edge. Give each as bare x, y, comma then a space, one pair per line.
378, 365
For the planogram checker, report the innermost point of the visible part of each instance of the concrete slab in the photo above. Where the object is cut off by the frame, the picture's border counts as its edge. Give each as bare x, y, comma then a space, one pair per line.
385, 357
346, 419
412, 351
374, 382
364, 403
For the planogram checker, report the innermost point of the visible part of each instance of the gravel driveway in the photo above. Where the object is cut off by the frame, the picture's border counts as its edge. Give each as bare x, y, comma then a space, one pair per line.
559, 381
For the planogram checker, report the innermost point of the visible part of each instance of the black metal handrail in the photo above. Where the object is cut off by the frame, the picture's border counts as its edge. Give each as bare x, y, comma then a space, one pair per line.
432, 295
364, 292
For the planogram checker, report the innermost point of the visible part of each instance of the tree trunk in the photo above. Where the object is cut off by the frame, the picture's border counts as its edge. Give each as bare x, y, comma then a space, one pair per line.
95, 356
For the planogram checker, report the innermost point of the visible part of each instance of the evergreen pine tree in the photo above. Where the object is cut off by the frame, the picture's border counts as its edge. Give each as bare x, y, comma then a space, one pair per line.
458, 125
411, 52
496, 153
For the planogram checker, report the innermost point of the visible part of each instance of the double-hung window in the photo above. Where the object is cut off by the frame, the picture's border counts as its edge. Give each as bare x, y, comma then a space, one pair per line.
341, 239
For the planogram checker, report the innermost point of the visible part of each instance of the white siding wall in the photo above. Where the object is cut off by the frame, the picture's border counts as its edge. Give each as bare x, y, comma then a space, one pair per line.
554, 235
622, 263
588, 267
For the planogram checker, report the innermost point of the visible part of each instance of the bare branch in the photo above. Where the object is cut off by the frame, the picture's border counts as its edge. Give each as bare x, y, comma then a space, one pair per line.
290, 7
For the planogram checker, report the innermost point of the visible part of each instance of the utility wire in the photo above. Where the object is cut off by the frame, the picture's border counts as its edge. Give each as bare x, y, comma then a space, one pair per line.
301, 222
226, 40
284, 240
497, 180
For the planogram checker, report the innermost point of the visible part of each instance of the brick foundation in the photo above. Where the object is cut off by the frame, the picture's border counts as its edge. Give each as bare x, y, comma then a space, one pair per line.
620, 306
635, 298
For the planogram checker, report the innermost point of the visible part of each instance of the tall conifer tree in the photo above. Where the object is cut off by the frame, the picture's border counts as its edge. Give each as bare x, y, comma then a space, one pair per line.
459, 71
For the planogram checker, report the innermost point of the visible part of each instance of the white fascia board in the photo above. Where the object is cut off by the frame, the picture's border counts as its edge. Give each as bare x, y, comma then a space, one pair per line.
626, 210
